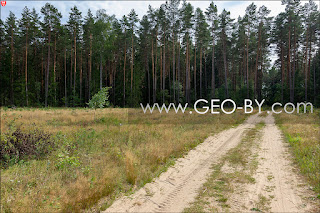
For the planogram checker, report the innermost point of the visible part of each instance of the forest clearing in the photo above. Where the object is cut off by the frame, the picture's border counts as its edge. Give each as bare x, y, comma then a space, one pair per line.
86, 90
93, 162
90, 159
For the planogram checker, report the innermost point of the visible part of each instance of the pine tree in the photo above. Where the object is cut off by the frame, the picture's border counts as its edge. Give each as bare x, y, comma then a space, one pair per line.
201, 37
145, 43
212, 16
132, 20
250, 22
95, 54
36, 59
225, 26
173, 14
51, 18
11, 28
124, 26
279, 39
88, 37
2, 73
186, 24
291, 7
262, 47
152, 16
25, 23
74, 24
64, 42
310, 12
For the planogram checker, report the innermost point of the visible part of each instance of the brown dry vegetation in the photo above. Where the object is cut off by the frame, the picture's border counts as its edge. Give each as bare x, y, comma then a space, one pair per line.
302, 132
119, 151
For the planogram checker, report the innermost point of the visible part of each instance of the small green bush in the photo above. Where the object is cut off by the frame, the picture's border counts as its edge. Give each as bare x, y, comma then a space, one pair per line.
100, 99
65, 161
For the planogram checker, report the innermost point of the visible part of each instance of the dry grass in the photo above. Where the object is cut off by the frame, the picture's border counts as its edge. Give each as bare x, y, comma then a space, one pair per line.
302, 132
102, 158
264, 114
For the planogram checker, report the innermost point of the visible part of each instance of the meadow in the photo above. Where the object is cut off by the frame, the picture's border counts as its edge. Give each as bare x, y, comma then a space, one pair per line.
63, 159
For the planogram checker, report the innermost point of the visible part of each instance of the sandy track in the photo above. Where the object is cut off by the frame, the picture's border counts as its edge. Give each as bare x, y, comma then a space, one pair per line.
276, 180
275, 176
174, 189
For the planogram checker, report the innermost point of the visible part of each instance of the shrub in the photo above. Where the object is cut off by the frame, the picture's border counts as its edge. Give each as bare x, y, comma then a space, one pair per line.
99, 100
20, 145
66, 161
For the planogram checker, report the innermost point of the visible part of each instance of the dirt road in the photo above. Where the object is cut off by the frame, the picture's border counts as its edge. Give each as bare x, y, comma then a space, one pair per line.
276, 180
176, 188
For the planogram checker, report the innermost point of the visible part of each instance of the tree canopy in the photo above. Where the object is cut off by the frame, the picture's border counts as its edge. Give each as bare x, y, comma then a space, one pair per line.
176, 52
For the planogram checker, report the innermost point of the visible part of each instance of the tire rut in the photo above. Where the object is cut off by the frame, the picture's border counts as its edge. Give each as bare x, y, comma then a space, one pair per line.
174, 189
276, 178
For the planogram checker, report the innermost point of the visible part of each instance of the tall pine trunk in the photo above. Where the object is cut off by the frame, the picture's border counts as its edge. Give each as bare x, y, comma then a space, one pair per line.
26, 68
65, 79
153, 74
213, 83
90, 68
100, 70
282, 73
205, 73
124, 74
42, 65
200, 72
256, 66
54, 67
244, 63
247, 75
305, 67
71, 67
114, 79
75, 67
178, 74
289, 62
11, 76
148, 73
131, 68
164, 68
47, 71
195, 73
314, 82
80, 85
155, 65
161, 64
225, 63
187, 72
309, 61
173, 69
294, 62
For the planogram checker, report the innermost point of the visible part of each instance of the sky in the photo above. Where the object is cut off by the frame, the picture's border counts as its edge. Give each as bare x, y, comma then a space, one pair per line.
120, 8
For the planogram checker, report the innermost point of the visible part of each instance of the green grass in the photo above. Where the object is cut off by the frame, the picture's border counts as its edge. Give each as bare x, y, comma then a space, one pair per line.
302, 132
